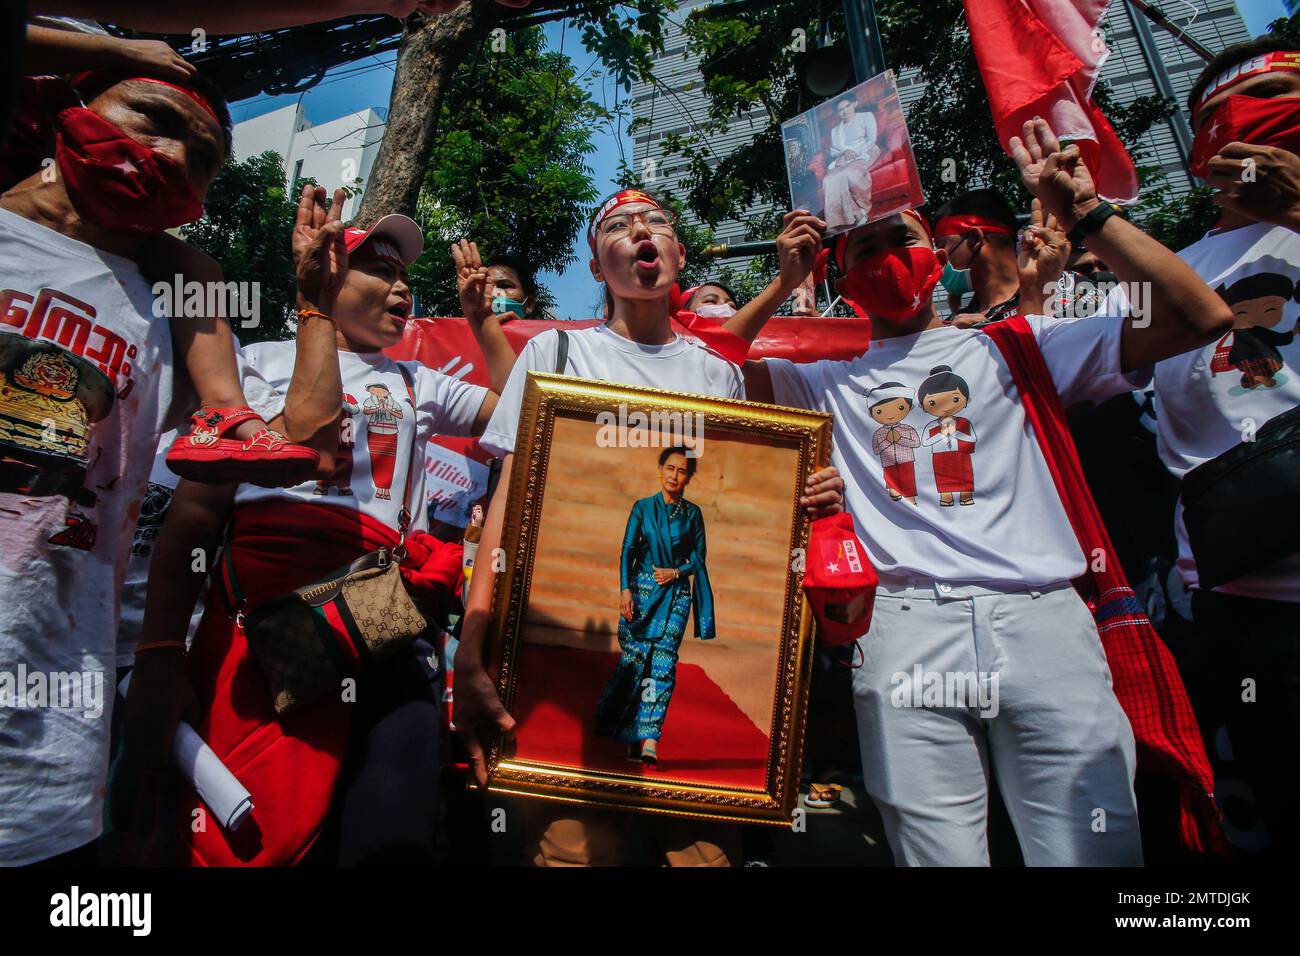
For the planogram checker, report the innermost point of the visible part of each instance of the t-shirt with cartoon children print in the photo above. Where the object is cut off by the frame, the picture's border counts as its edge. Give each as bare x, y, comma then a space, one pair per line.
1211, 399
943, 477
375, 431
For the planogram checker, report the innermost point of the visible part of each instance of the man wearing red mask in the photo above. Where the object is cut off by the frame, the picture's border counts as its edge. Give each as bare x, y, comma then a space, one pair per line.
86, 388
980, 652
1245, 667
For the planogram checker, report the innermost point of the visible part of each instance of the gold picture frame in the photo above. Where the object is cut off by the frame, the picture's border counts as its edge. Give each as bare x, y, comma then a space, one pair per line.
791, 436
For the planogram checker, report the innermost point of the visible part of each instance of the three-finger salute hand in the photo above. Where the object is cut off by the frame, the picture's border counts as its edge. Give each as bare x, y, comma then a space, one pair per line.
1259, 182
473, 280
319, 249
1057, 176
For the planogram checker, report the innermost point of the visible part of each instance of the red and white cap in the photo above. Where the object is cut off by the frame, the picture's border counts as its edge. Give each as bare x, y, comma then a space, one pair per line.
394, 236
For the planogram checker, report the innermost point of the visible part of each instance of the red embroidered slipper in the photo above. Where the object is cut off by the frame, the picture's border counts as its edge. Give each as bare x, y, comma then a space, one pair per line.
266, 459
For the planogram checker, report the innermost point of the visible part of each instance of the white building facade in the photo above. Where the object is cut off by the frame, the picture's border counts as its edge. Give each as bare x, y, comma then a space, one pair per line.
340, 152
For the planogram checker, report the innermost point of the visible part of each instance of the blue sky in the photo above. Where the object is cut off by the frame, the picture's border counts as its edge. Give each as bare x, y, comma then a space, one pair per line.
366, 83
1258, 14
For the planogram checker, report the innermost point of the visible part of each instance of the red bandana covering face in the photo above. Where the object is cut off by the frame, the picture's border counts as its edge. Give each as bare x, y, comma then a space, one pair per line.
118, 183
1248, 119
893, 284
612, 203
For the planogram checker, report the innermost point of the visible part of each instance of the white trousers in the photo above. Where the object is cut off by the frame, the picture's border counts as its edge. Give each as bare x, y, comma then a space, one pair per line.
954, 676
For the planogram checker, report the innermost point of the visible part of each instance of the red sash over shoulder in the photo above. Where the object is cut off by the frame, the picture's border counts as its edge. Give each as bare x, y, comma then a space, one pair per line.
1143, 672
290, 765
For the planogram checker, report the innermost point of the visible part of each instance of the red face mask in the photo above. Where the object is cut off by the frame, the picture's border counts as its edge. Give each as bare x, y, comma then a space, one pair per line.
117, 183
893, 284
1248, 119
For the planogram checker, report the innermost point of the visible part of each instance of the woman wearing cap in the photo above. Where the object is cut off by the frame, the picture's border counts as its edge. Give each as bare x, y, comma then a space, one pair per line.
636, 253
358, 780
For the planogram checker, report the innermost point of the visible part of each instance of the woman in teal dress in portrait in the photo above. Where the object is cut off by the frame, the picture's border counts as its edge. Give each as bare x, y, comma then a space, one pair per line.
663, 550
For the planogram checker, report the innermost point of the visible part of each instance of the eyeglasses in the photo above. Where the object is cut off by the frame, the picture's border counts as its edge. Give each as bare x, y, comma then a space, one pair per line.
656, 220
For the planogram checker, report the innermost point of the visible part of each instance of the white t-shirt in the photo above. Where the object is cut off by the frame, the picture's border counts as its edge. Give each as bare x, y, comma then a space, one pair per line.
85, 382
1015, 532
375, 432
598, 353
1203, 406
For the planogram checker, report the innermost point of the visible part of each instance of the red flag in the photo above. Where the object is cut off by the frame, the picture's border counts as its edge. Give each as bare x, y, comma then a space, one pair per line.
1042, 58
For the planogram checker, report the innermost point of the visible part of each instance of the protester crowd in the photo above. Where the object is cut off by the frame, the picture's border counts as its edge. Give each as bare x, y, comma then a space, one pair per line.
1015, 465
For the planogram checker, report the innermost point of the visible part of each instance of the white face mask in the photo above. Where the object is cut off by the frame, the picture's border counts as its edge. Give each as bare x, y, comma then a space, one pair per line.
716, 310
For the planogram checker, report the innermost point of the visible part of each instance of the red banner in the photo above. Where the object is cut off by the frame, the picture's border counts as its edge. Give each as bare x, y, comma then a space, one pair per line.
457, 467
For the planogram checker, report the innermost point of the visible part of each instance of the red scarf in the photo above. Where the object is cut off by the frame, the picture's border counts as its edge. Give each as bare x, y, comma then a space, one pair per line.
1143, 672
290, 764
727, 344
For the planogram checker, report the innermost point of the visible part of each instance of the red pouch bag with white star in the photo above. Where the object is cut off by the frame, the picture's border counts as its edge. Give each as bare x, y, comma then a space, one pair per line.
839, 580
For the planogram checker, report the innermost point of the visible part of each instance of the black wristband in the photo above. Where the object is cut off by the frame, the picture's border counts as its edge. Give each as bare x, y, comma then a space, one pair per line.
1091, 223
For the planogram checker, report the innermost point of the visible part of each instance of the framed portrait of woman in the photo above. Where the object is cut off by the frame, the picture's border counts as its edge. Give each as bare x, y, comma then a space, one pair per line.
650, 635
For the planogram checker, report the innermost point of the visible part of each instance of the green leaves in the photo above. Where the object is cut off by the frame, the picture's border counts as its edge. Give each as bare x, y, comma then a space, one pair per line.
508, 168
747, 63
247, 224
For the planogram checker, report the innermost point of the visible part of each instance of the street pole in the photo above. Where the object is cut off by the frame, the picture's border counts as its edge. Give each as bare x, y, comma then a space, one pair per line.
1164, 86
864, 39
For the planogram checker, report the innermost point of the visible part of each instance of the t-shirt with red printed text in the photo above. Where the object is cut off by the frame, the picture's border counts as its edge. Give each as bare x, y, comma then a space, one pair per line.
86, 388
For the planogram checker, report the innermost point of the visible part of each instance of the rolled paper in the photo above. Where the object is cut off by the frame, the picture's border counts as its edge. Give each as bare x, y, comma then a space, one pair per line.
216, 786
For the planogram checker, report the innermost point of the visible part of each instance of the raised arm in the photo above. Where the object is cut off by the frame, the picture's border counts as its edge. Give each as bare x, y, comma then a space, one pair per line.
228, 17
50, 51
1182, 312
315, 395
474, 283
796, 248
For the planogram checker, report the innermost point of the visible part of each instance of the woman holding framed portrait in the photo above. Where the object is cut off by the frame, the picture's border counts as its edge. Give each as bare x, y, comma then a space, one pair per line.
663, 552
637, 254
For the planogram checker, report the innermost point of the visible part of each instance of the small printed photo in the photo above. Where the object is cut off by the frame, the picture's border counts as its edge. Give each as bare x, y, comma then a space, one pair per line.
849, 159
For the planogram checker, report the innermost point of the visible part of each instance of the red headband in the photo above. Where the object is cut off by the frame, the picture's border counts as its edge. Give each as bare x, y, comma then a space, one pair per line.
1264, 63
958, 223
842, 240
81, 78
612, 203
